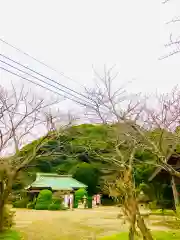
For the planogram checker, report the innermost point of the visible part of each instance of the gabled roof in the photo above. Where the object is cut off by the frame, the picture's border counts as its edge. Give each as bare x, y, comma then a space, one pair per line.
175, 157
56, 182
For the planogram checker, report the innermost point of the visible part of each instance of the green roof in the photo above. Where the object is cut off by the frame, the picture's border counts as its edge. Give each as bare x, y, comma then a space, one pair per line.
56, 182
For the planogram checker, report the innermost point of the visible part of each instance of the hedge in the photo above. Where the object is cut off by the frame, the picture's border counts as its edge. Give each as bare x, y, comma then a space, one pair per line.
22, 203
54, 206
44, 200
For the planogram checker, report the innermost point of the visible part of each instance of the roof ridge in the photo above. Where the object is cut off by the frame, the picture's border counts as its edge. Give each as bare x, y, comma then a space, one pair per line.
39, 174
56, 182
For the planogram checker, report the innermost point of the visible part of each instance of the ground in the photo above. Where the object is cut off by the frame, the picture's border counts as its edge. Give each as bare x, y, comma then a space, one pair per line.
78, 224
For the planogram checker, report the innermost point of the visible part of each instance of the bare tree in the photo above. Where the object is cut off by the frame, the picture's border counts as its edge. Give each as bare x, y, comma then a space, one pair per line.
135, 112
56, 119
124, 110
109, 103
20, 114
173, 44
143, 119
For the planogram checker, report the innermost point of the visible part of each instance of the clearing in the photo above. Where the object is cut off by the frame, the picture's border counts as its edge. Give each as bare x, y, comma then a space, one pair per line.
77, 224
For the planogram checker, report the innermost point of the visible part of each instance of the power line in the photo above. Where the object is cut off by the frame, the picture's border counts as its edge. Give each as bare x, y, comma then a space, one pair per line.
35, 59
43, 81
12, 60
82, 104
62, 74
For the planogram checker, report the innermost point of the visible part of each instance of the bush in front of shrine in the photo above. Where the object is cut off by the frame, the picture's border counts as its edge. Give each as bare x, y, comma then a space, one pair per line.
79, 194
55, 204
21, 203
44, 200
31, 205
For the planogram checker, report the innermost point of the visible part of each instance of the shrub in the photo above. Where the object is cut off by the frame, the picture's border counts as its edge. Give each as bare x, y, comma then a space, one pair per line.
89, 201
62, 207
31, 205
107, 201
58, 195
8, 217
164, 204
10, 235
56, 200
79, 194
22, 203
54, 206
17, 186
153, 205
12, 198
44, 200
75, 203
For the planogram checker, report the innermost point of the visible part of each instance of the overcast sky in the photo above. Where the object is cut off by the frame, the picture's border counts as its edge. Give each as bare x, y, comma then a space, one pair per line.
71, 36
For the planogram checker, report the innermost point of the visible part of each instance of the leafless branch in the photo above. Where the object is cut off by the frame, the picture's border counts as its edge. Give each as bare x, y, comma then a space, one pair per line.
165, 1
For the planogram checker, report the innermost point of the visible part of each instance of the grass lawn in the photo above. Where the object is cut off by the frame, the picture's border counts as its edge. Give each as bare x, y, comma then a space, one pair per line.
166, 212
9, 235
170, 235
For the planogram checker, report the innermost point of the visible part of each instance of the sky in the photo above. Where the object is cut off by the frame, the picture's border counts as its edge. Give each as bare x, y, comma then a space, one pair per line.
71, 36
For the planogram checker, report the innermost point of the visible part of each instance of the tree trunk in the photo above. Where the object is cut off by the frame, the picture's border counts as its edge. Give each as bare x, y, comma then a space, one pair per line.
1, 216
144, 230
131, 234
4, 193
1, 205
175, 192
132, 230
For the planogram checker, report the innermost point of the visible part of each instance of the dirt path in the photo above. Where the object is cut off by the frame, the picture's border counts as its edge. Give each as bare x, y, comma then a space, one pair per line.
78, 224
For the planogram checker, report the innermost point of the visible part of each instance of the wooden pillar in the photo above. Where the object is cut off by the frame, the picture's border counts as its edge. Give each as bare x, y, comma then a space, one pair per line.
175, 192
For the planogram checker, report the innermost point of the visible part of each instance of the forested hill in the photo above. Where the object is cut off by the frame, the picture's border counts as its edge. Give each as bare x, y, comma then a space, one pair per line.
85, 151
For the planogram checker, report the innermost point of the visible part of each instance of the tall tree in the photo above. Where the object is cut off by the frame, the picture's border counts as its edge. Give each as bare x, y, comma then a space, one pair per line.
173, 44
119, 107
20, 113
138, 114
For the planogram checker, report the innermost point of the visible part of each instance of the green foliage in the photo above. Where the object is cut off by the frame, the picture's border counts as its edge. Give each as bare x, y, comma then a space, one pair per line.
76, 201
44, 165
85, 143
158, 235
17, 185
162, 212
22, 203
86, 151
56, 203
107, 201
10, 235
44, 200
163, 204
89, 201
88, 175
31, 205
8, 218
153, 205
80, 193
54, 206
